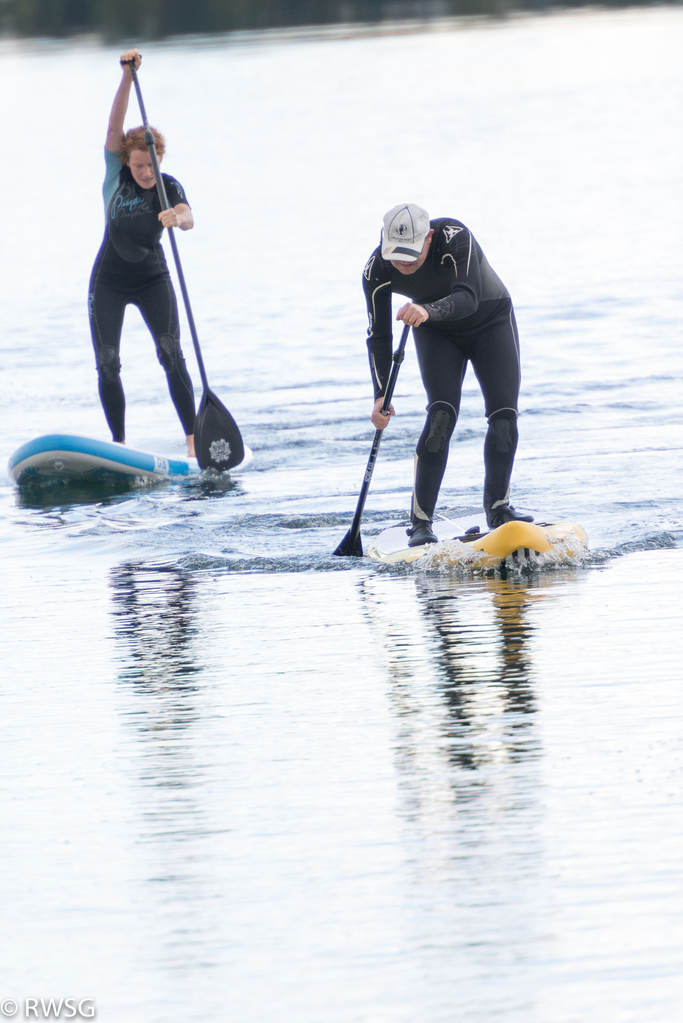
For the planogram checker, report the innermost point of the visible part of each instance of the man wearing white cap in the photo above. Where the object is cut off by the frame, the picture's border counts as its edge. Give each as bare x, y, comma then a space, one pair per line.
460, 312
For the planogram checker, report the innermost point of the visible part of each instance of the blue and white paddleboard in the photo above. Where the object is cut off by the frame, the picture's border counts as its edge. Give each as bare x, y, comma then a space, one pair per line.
68, 457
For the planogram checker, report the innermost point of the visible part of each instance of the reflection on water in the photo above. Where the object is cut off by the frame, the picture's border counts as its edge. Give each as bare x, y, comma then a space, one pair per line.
154, 615
468, 752
478, 658
475, 691
105, 489
40, 494
346, 796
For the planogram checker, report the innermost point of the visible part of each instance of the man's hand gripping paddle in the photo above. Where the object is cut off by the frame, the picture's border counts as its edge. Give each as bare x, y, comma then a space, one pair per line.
351, 546
217, 439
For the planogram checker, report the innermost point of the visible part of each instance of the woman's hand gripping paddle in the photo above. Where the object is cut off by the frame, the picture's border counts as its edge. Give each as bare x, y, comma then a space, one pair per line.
351, 546
217, 440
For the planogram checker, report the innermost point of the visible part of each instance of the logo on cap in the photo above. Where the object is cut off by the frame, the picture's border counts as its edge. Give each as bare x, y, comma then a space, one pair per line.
404, 232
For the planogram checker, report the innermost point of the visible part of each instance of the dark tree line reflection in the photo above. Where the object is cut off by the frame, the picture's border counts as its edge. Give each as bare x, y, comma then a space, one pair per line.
117, 20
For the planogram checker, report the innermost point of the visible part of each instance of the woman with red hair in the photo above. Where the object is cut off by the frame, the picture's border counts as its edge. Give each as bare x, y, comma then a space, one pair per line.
130, 268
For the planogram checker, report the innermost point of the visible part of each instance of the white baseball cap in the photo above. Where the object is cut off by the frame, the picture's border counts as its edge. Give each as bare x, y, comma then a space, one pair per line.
404, 232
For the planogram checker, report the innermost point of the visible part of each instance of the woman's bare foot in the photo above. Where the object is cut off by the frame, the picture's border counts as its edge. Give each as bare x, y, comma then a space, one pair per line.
190, 445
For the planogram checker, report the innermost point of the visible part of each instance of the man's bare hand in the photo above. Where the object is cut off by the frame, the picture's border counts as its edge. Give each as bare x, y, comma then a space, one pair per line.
378, 420
412, 314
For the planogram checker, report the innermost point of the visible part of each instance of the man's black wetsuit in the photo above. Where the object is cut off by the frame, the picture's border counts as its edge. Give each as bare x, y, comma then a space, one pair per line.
471, 319
130, 269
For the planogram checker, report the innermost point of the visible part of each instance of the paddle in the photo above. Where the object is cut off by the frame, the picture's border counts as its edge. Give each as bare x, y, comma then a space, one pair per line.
217, 440
351, 546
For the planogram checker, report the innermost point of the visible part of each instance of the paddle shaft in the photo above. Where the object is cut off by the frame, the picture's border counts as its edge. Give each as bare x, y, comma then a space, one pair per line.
351, 542
165, 205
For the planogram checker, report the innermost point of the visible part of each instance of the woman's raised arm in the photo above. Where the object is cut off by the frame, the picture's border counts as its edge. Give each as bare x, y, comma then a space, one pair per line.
120, 104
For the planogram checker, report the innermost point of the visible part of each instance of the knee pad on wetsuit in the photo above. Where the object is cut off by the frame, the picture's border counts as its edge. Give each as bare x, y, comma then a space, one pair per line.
502, 431
108, 364
432, 447
431, 458
168, 351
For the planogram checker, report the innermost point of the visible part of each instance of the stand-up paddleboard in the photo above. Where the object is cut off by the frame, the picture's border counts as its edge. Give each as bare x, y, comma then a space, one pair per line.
60, 457
468, 543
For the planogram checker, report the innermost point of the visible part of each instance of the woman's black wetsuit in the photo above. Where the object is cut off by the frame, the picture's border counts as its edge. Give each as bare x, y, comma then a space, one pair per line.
130, 269
471, 319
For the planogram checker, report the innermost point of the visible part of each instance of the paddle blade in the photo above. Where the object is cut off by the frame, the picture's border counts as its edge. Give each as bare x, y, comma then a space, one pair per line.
350, 547
217, 440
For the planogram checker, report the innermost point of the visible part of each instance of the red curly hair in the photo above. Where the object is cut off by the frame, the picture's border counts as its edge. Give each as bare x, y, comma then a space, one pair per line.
135, 139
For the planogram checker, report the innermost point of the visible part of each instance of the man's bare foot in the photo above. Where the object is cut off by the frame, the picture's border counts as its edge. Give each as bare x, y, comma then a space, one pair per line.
190, 445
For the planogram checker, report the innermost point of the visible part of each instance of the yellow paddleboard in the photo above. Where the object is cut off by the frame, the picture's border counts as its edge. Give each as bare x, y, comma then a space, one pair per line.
467, 543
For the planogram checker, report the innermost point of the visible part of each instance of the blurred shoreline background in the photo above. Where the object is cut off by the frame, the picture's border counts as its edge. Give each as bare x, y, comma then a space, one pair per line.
112, 22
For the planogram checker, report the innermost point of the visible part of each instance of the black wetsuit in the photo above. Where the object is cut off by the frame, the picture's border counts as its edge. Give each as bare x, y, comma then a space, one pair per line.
130, 269
471, 319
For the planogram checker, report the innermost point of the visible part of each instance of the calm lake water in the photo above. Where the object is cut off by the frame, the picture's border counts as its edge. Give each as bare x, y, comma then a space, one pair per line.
243, 779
